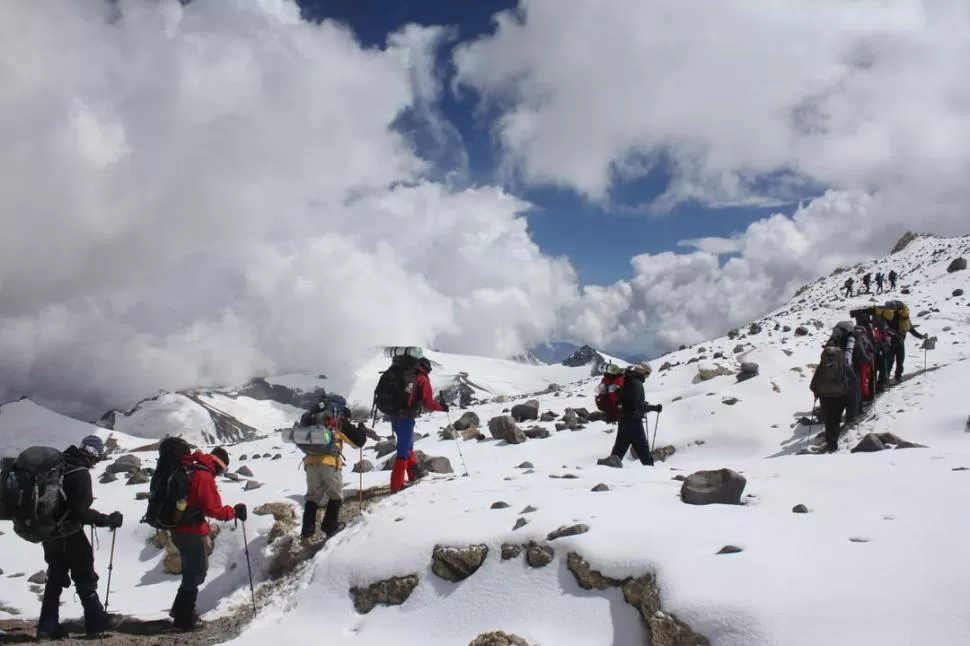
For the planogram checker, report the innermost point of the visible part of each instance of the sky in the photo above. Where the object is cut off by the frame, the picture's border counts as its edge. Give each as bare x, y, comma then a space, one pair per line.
198, 193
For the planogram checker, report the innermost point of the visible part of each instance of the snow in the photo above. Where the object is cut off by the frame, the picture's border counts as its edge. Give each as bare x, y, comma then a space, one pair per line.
879, 559
24, 423
171, 414
298, 381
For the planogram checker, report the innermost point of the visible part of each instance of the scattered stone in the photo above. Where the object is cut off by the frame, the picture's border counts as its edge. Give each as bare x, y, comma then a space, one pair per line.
722, 486
278, 456
498, 638
856, 539
537, 433
141, 495
601, 487
385, 448
243, 457
390, 592
749, 369
548, 416
872, 442
252, 484
234, 477
526, 465
510, 551
679, 477
801, 331
363, 466
503, 427
40, 578
139, 477
957, 264
706, 372
957, 292
568, 530
730, 401
245, 471
468, 420
960, 469
799, 509
661, 453
729, 549
107, 477
520, 523
125, 464
738, 349
528, 411
529, 509
457, 563
537, 555
499, 505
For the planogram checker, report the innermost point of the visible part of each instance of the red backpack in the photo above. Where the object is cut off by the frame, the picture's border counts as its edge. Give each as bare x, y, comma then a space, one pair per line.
608, 396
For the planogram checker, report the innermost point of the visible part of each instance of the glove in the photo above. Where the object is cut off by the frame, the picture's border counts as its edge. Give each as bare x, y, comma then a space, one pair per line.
656, 409
114, 520
240, 511
444, 407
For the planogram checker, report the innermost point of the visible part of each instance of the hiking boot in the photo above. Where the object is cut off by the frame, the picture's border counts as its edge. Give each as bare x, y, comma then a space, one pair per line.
309, 520
185, 618
50, 629
331, 518
103, 624
612, 461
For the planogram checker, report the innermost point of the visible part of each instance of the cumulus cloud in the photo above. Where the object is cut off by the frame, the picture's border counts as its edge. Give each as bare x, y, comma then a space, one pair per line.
193, 195
752, 103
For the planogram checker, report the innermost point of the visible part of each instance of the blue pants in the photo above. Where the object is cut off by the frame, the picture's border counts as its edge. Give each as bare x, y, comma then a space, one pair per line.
403, 430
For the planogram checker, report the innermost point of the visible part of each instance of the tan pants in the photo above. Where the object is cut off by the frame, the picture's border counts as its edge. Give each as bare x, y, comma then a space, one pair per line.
324, 482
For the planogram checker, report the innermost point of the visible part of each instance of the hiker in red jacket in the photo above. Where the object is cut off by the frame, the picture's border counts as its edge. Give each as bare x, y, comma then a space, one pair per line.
203, 501
421, 397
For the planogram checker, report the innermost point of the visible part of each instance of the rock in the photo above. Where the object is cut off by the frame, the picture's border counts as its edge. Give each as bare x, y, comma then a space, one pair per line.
243, 457
469, 419
729, 549
706, 371
390, 592
385, 448
537, 433
528, 509
749, 369
457, 563
957, 292
125, 464
245, 472
520, 523
526, 412
957, 264
252, 484
537, 555
587, 577
786, 328
510, 551
661, 453
929, 343
139, 477
567, 530
363, 466
801, 331
733, 334
433, 464
754, 328
278, 510
141, 495
40, 578
526, 465
278, 456
234, 477
503, 428
500, 505
872, 442
799, 509
548, 416
730, 401
107, 477
498, 638
722, 486
601, 487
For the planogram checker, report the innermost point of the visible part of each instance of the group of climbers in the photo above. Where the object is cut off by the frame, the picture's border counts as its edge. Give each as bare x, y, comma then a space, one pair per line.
867, 280
856, 362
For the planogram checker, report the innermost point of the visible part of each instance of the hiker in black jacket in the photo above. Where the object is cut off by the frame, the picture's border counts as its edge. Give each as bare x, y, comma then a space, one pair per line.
630, 430
72, 558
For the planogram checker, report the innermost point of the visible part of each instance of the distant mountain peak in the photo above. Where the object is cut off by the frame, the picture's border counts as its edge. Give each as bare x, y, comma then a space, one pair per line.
584, 356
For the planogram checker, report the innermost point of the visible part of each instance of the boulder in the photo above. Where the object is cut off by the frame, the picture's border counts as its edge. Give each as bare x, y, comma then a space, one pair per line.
385, 448
529, 411
40, 578
141, 495
707, 371
730, 549
567, 530
749, 369
467, 420
537, 433
457, 563
929, 343
548, 416
246, 472
498, 638
390, 592
537, 555
125, 464
503, 428
139, 477
801, 330
957, 264
755, 328
520, 523
107, 477
510, 551
957, 292
363, 466
872, 442
723, 487
252, 484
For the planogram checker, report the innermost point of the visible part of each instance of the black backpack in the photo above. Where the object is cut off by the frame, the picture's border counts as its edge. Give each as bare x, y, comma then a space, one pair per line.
830, 378
169, 487
33, 495
395, 387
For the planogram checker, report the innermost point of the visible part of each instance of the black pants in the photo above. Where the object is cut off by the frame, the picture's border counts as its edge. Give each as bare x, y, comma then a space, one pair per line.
70, 559
195, 561
832, 408
629, 432
899, 354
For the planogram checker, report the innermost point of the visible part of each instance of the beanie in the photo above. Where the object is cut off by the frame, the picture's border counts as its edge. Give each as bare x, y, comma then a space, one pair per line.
221, 454
93, 446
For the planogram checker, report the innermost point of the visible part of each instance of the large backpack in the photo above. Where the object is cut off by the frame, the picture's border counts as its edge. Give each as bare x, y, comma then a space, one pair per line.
899, 316
397, 384
33, 495
169, 487
608, 395
329, 413
830, 378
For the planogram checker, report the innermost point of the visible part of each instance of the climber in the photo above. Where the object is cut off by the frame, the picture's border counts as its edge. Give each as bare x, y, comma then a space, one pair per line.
630, 429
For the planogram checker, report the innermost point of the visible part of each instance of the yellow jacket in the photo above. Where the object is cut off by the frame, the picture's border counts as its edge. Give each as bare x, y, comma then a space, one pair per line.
348, 433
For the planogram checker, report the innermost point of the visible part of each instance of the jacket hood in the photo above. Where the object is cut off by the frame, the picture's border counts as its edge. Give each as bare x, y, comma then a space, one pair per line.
200, 458
75, 457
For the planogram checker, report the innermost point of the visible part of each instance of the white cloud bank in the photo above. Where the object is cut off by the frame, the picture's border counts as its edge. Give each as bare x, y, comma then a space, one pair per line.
749, 99
192, 195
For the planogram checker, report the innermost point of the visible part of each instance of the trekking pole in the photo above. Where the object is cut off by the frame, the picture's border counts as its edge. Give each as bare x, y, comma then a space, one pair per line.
360, 486
458, 441
111, 567
249, 566
656, 423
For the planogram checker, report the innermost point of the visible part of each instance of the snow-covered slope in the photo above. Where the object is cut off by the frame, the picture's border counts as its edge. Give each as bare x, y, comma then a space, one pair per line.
879, 557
